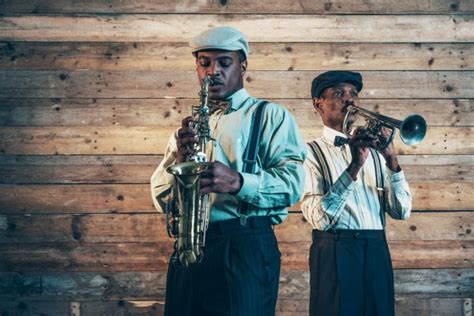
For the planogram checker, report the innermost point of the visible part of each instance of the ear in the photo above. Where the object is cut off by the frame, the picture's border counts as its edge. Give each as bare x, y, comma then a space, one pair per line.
317, 105
243, 67
197, 63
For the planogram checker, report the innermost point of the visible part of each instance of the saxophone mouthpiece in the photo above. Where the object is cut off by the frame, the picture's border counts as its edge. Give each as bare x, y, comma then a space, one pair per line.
212, 81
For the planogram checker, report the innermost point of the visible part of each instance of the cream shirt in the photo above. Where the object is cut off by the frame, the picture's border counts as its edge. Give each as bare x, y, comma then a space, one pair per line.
350, 204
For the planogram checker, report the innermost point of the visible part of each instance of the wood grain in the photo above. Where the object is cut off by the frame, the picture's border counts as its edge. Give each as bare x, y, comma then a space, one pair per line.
139, 227
404, 306
90, 91
418, 283
137, 169
99, 140
170, 112
272, 56
258, 28
132, 198
238, 7
261, 84
145, 256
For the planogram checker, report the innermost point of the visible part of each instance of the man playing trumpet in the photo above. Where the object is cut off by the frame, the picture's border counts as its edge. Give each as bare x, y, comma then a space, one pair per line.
348, 190
252, 177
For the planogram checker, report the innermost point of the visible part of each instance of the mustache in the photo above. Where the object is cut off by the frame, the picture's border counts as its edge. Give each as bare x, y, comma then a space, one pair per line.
216, 81
346, 105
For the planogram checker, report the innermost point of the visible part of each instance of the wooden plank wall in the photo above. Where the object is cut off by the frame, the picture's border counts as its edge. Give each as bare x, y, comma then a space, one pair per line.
90, 91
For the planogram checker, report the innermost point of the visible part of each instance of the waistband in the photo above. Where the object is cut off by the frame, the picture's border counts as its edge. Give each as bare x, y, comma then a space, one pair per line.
234, 225
350, 234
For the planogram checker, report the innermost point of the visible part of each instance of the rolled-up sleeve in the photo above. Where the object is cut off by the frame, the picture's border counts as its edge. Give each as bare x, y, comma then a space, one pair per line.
399, 196
161, 181
280, 179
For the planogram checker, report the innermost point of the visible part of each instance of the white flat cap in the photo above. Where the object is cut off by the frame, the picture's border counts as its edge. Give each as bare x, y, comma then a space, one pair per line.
220, 37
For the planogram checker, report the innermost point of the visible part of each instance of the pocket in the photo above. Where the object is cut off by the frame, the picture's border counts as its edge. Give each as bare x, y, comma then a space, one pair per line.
269, 248
271, 257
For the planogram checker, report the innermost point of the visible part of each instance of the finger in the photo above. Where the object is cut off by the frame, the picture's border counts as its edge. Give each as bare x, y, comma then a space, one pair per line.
208, 186
386, 131
206, 190
186, 131
367, 141
207, 174
364, 136
186, 142
186, 152
185, 122
362, 144
206, 182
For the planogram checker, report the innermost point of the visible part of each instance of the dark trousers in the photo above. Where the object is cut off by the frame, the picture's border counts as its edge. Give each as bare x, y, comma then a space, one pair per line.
351, 274
238, 275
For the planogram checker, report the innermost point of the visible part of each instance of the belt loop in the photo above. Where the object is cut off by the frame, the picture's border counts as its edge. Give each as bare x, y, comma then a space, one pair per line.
243, 219
336, 237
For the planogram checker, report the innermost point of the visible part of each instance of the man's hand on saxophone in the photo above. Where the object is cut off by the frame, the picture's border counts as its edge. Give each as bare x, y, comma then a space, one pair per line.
219, 178
186, 140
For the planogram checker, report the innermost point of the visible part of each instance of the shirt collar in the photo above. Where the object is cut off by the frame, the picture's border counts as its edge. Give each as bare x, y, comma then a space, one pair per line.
330, 134
238, 99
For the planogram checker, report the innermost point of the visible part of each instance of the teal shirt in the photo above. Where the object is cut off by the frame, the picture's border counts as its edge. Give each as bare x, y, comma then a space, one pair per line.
279, 178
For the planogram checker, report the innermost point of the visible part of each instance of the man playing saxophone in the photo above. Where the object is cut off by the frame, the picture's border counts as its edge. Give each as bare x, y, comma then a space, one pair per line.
254, 173
348, 189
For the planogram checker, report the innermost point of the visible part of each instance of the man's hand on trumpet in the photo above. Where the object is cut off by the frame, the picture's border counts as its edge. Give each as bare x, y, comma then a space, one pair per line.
359, 145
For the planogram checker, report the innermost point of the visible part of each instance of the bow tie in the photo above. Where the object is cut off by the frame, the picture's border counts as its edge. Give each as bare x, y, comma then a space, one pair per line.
215, 105
340, 141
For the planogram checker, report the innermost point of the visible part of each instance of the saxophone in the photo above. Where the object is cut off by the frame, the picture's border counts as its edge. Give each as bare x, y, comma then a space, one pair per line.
188, 215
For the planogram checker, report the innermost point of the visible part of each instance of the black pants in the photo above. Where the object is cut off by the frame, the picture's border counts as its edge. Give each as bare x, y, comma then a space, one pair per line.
239, 273
351, 274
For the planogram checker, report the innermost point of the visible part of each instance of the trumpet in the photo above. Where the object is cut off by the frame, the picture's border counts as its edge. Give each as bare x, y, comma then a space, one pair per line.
188, 217
412, 128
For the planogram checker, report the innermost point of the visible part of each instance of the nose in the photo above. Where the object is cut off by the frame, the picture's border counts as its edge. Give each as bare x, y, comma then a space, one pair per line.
348, 99
347, 102
214, 69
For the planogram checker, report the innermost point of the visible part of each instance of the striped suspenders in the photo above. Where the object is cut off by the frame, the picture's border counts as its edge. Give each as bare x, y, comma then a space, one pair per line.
318, 153
379, 182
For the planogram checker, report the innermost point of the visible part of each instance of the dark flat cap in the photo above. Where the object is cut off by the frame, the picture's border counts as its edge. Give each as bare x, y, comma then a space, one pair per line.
333, 78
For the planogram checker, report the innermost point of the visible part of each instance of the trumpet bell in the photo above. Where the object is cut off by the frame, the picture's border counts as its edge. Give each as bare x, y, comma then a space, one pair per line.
413, 129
